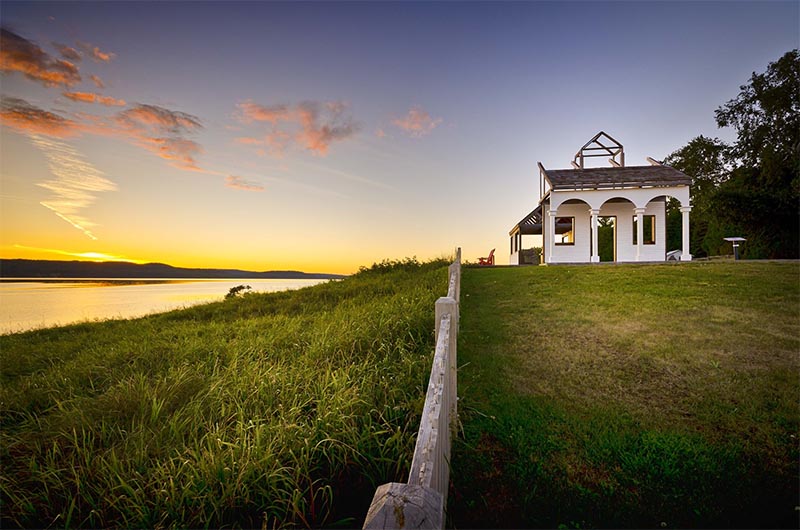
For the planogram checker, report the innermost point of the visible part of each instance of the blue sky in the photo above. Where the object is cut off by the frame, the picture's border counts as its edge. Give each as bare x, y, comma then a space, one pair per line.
331, 135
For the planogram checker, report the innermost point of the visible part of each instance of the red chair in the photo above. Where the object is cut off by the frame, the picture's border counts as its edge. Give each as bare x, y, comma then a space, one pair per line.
487, 261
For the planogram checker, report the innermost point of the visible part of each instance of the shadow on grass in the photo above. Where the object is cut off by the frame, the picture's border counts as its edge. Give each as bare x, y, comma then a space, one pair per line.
548, 458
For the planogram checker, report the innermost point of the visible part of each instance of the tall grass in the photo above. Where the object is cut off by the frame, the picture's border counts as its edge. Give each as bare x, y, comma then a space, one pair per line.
267, 410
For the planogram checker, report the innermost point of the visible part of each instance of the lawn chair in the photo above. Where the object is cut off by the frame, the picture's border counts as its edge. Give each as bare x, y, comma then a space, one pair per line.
488, 260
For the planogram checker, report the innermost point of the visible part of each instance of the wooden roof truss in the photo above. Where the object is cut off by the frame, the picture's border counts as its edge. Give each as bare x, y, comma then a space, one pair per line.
600, 145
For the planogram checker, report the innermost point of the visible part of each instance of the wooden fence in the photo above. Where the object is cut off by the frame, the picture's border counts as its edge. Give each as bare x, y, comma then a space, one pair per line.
421, 502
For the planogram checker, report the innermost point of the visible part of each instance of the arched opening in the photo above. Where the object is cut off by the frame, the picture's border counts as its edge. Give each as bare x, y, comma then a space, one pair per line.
614, 222
673, 222
567, 232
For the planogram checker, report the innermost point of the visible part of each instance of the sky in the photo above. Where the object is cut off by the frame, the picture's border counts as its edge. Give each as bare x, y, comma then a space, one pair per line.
327, 136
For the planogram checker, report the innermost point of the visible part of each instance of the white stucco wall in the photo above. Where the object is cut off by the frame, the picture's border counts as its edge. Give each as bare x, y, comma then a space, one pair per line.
638, 196
626, 250
580, 252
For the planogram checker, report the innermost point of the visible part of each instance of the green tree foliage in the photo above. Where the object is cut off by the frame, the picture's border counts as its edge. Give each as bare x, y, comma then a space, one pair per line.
750, 188
705, 160
766, 116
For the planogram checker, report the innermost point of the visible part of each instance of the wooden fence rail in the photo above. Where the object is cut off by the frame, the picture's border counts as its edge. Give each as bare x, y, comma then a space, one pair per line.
421, 502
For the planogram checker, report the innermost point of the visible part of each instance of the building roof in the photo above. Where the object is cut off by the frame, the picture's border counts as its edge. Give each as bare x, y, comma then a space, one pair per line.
530, 224
615, 177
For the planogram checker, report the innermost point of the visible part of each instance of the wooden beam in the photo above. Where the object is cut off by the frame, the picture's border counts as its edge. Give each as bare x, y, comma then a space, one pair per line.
542, 174
654, 162
614, 162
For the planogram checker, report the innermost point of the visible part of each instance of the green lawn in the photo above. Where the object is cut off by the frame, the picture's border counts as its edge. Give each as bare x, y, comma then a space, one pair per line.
283, 409
629, 396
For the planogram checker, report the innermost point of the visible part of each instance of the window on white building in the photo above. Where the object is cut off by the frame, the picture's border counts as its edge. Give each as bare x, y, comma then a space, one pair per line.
565, 230
648, 230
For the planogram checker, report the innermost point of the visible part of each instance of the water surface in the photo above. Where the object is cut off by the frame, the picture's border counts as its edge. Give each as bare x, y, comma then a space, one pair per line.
38, 303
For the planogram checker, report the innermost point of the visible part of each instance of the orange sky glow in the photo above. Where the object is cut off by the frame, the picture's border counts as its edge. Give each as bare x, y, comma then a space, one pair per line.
327, 136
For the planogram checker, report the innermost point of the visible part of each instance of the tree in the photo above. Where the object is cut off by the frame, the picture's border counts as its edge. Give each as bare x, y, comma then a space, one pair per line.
752, 187
705, 161
762, 196
766, 115
239, 290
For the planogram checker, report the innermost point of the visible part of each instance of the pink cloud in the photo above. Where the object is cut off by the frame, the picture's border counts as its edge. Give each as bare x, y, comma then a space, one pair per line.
417, 122
67, 52
277, 142
179, 151
91, 97
239, 183
310, 125
317, 133
18, 54
23, 117
251, 112
159, 119
97, 81
95, 53
162, 131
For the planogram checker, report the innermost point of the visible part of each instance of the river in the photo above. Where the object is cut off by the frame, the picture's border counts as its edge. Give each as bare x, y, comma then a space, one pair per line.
32, 304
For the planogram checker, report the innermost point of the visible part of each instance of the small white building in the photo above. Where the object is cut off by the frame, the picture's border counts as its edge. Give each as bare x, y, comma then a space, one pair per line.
619, 209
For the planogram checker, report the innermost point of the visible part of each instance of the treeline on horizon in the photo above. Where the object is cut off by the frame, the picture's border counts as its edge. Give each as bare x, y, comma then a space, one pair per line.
26, 268
749, 188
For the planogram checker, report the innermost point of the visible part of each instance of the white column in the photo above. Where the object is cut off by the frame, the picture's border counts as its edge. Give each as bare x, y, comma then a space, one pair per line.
685, 255
551, 234
639, 231
595, 256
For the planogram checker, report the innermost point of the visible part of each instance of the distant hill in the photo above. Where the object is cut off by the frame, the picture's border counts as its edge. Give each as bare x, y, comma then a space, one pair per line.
30, 268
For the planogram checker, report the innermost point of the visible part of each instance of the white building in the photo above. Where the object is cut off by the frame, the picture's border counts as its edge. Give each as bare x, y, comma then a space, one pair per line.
629, 202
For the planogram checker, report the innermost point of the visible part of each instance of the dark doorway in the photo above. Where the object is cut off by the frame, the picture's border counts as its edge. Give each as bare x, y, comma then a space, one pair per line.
607, 238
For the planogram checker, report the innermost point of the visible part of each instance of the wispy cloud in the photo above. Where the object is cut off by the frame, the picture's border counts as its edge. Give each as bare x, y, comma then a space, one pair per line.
95, 53
159, 130
18, 54
162, 131
238, 183
29, 119
323, 124
91, 97
311, 125
97, 81
159, 120
68, 52
250, 112
93, 256
417, 122
75, 186
347, 176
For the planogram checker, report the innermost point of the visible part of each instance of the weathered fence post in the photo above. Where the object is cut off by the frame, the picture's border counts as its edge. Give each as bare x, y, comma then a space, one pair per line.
448, 306
397, 505
421, 502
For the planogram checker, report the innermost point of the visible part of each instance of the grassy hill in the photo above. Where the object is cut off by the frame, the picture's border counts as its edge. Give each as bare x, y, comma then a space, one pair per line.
280, 409
629, 396
590, 396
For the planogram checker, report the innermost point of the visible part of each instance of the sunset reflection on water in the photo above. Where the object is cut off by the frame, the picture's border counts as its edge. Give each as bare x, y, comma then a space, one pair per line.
35, 304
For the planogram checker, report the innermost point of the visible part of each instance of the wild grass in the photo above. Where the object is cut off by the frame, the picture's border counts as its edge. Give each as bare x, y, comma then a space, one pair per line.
266, 410
629, 396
